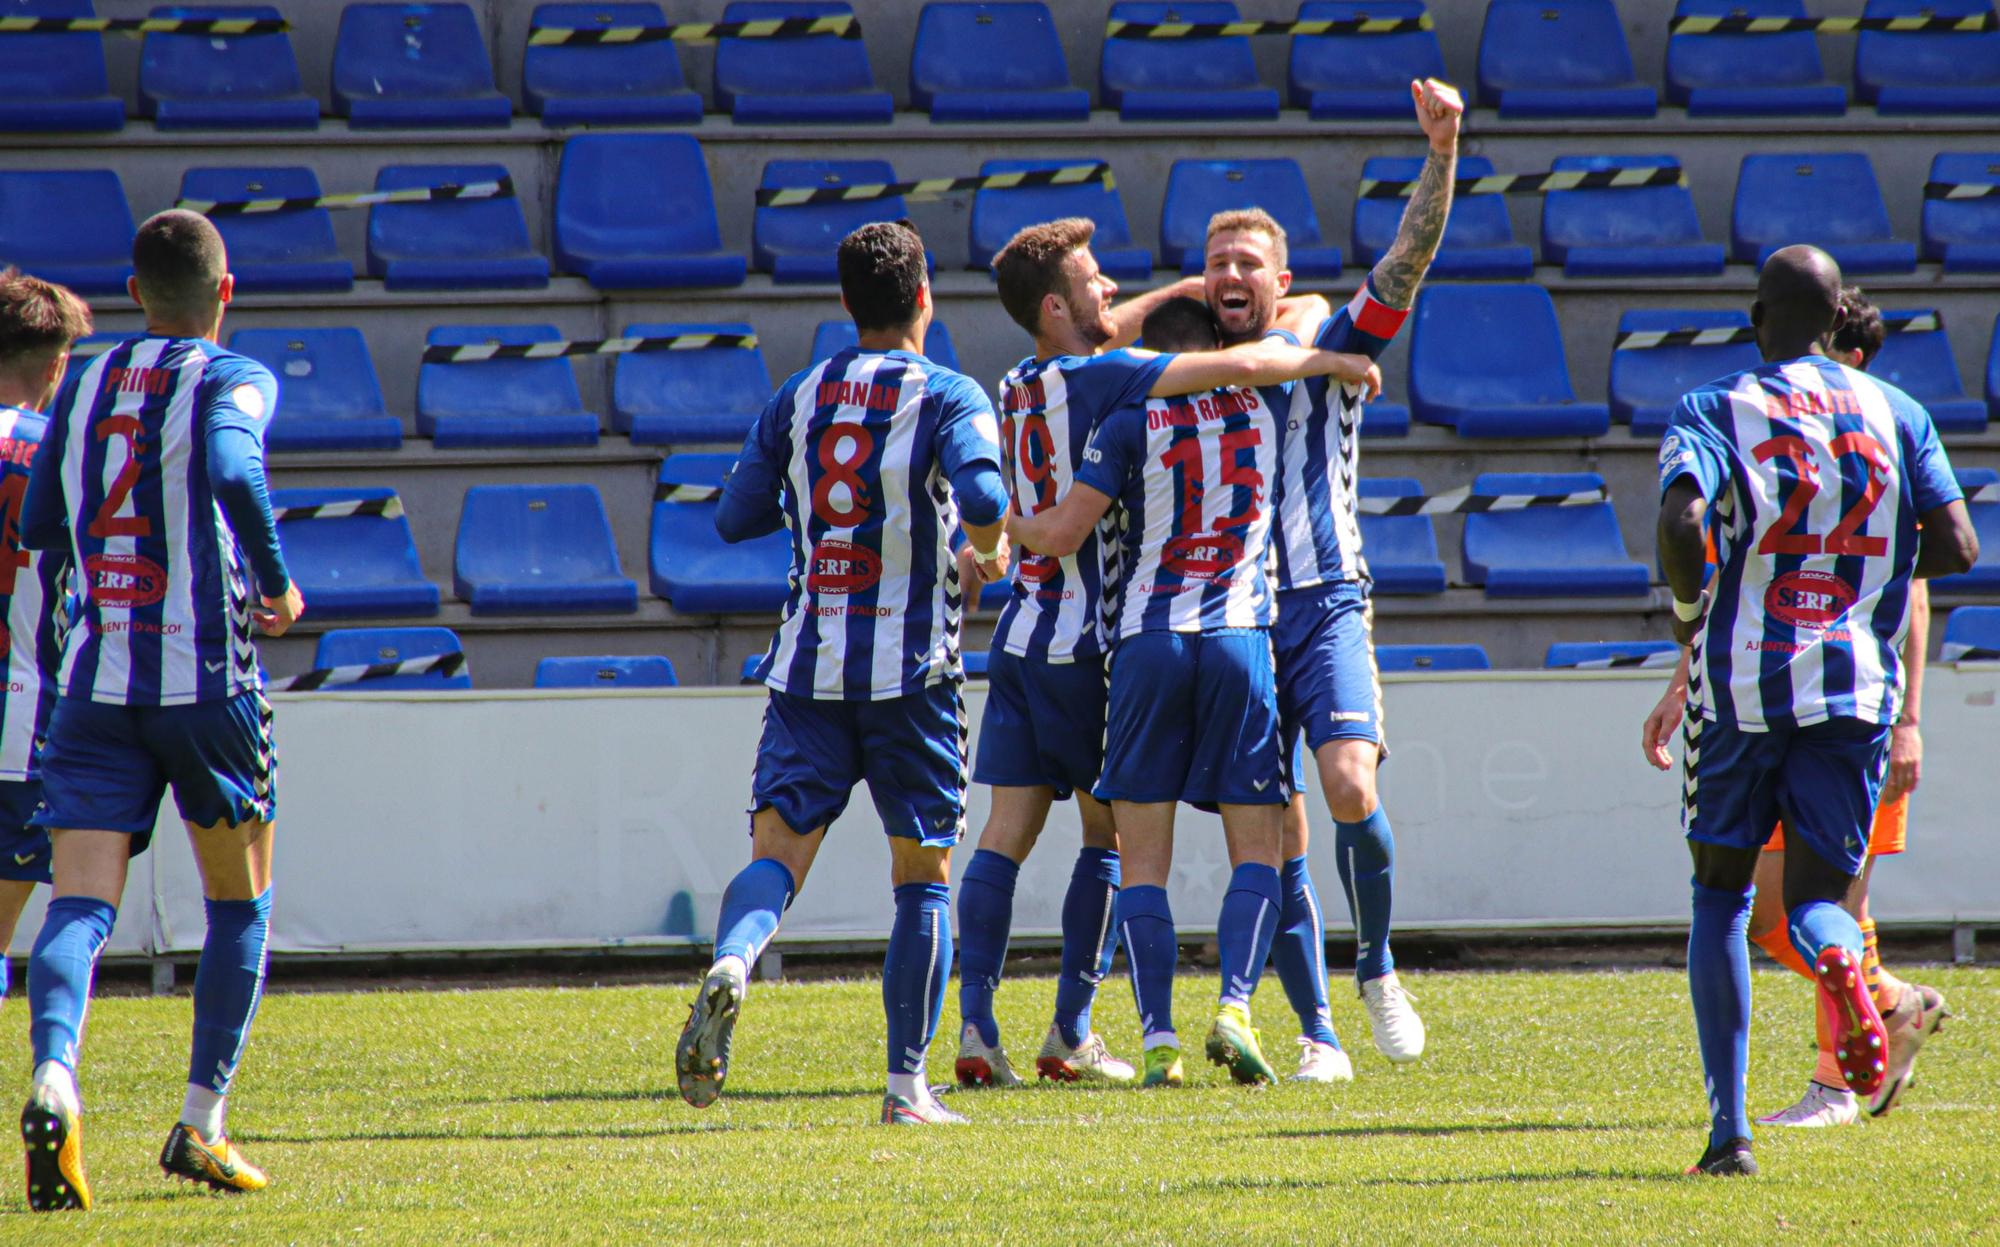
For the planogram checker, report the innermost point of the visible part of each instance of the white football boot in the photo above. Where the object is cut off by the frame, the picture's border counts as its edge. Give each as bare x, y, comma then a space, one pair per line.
1090, 1059
1820, 1107
981, 1066
1399, 1032
1322, 1062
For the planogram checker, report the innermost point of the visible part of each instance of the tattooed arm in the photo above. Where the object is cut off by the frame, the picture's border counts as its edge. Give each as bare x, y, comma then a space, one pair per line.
1401, 270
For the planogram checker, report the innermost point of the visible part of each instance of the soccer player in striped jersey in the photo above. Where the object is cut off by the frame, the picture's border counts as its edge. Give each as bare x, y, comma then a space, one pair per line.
872, 459
1827, 492
1042, 737
1327, 687
38, 322
152, 475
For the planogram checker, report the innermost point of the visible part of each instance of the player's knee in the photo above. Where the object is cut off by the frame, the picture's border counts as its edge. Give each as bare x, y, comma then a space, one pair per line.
913, 862
1353, 800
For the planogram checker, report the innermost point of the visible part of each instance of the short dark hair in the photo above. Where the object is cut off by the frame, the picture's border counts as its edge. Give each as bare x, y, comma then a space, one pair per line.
37, 319
1180, 324
1862, 330
179, 260
882, 267
1030, 266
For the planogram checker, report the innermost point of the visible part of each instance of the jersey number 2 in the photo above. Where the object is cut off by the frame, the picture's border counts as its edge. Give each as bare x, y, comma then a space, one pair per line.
1785, 535
108, 522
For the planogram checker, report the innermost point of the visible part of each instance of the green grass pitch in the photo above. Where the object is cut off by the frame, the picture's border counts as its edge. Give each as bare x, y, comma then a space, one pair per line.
1551, 1108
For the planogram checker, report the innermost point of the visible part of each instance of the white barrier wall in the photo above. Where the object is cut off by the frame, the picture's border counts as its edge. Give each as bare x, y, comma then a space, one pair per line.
551, 820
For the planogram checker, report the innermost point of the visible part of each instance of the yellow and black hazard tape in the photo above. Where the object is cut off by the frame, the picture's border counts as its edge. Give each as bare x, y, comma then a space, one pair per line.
1537, 183
347, 508
932, 188
1743, 24
1117, 28
215, 27
503, 188
1465, 502
1963, 190
479, 352
1647, 339
845, 25
446, 665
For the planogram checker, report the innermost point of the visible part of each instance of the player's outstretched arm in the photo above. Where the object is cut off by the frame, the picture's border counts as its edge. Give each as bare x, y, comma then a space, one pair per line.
1947, 544
1684, 551
1061, 530
1132, 313
1666, 716
1267, 361
1401, 269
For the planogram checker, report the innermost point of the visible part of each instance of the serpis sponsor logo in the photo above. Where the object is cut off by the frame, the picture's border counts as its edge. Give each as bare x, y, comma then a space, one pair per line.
1812, 600
843, 567
125, 580
1203, 556
1037, 568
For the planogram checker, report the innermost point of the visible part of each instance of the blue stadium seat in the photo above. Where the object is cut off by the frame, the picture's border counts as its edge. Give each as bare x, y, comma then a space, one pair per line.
1993, 374
635, 211
997, 215
1548, 551
683, 397
223, 82
692, 567
1947, 72
397, 65
1984, 578
606, 84
834, 336
538, 549
1478, 239
975, 662
501, 402
1645, 384
1922, 366
1603, 653
798, 244
1749, 75
1649, 231
1402, 550
1972, 634
1559, 58
1397, 658
1382, 418
354, 565
1964, 234
606, 671
1488, 361
992, 62
346, 647
1827, 199
814, 78
1182, 79
328, 397
1360, 77
452, 244
273, 252
1198, 189
55, 82
71, 227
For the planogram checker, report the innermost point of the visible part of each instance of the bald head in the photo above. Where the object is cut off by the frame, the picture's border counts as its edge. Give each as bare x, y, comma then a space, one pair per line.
179, 264
1798, 301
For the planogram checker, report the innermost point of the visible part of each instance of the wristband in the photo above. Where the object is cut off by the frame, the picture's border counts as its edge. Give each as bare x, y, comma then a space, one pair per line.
985, 556
1687, 612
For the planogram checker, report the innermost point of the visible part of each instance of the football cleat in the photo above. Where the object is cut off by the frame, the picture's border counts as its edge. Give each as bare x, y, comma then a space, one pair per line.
1233, 1045
1090, 1059
52, 1137
1322, 1062
1820, 1106
981, 1066
1399, 1032
1163, 1067
1726, 1160
1860, 1044
218, 1165
1915, 1018
902, 1111
701, 1058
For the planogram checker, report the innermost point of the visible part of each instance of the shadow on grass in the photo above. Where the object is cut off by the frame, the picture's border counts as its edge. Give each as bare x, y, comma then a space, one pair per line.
672, 1094
509, 1136
1438, 1132
1239, 1184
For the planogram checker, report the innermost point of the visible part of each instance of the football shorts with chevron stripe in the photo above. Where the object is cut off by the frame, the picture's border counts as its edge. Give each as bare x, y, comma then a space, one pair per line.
911, 749
1824, 778
1327, 687
24, 848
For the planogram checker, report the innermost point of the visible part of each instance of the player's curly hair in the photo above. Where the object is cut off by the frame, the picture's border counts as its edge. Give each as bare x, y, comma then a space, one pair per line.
1030, 266
1862, 330
1253, 221
882, 268
37, 318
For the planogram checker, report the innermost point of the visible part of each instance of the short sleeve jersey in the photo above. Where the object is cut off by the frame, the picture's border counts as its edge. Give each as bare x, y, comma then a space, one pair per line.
34, 586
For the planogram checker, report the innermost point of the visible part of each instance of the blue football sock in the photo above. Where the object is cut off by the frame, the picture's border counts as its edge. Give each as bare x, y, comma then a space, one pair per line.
5, 967
914, 972
1298, 953
1719, 983
228, 983
1818, 925
1088, 940
1244, 932
1366, 854
985, 919
1146, 925
752, 907
59, 973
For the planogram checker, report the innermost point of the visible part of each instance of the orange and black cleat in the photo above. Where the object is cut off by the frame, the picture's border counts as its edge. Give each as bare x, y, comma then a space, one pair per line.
217, 1165
52, 1138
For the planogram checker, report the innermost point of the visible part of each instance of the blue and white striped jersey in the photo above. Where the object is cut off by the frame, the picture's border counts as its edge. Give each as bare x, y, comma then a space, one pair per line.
1048, 409
34, 587
1193, 477
859, 452
1816, 475
1319, 534
165, 586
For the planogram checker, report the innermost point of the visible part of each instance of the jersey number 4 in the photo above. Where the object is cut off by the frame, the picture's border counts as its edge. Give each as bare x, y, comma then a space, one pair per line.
1785, 534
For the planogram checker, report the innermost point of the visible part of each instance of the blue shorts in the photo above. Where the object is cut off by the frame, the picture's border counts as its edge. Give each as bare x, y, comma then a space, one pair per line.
1044, 724
1824, 779
1194, 717
910, 749
24, 848
1327, 689
107, 766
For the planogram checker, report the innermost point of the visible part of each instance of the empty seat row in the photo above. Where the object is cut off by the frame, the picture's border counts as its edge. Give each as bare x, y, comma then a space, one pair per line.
387, 648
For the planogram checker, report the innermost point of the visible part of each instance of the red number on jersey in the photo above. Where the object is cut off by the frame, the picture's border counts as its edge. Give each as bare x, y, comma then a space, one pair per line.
108, 522
1786, 535
1185, 455
1034, 457
13, 492
843, 450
